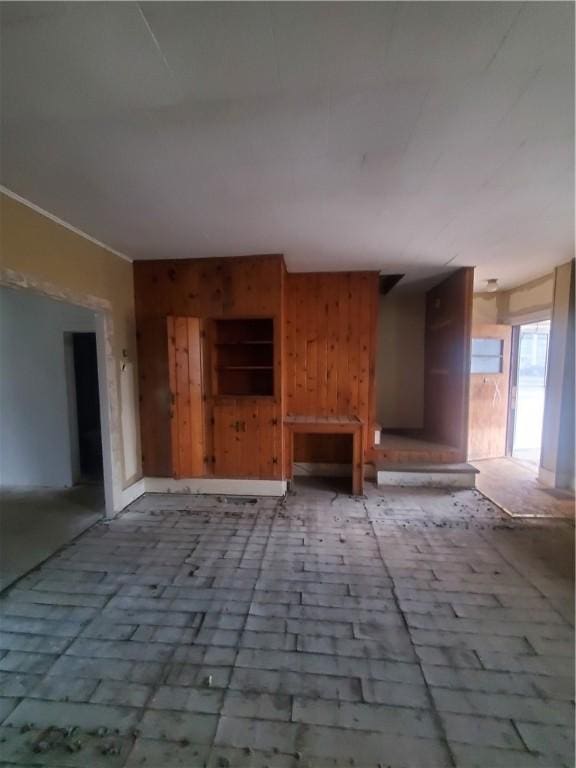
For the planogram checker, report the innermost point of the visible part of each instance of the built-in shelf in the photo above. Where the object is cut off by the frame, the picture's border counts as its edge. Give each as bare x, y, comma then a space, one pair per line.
244, 357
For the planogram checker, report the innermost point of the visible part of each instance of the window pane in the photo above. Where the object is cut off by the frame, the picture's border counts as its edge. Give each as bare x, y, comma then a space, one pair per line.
487, 346
486, 364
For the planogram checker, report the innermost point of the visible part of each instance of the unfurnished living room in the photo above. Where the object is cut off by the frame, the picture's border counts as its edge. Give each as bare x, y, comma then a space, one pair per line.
287, 384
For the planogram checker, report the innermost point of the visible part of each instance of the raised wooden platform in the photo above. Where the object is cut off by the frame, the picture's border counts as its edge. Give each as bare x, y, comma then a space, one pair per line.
406, 449
458, 475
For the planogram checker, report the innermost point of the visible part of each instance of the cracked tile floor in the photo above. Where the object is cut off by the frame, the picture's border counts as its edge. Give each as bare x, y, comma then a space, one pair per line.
413, 627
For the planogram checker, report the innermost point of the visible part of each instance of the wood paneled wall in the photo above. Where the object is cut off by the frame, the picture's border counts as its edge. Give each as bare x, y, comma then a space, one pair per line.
200, 288
330, 348
325, 358
447, 360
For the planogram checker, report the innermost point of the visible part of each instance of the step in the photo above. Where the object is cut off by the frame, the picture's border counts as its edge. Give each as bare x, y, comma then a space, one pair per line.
461, 475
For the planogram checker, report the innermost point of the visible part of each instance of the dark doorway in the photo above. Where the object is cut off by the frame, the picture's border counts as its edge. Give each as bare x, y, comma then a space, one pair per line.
87, 406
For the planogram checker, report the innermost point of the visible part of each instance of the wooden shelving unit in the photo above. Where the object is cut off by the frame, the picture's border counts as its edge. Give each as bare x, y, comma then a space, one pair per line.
244, 357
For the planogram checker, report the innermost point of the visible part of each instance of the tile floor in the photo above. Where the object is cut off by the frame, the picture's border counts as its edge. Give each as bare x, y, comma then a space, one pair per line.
408, 628
36, 522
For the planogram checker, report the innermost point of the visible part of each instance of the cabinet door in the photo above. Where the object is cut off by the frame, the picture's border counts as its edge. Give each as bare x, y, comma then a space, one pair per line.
247, 439
187, 427
267, 450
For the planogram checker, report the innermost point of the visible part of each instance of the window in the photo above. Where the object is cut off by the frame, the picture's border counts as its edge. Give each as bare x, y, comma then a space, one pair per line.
487, 356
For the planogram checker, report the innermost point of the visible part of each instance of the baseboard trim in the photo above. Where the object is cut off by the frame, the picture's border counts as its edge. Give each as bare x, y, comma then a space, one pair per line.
130, 494
427, 479
215, 485
551, 479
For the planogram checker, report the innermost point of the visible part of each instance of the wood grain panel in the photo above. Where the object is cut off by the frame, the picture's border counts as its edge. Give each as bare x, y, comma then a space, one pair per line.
330, 341
344, 389
321, 320
174, 411
447, 360
183, 425
196, 390
186, 395
154, 396
226, 440
246, 439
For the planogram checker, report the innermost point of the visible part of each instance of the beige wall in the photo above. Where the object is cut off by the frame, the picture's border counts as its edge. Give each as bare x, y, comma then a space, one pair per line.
485, 308
527, 300
46, 253
400, 361
530, 301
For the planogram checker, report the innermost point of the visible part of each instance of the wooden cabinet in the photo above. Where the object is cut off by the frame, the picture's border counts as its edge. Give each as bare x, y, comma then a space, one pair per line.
247, 438
246, 417
212, 432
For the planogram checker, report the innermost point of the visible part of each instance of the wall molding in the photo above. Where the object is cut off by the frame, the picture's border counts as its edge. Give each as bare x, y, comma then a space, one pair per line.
131, 493
557, 480
43, 212
536, 315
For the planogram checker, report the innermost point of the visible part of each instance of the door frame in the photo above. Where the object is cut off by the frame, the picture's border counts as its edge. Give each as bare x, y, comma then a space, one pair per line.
513, 390
111, 434
532, 319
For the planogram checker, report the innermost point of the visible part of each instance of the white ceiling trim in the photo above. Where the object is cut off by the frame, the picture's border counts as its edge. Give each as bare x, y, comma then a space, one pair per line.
8, 192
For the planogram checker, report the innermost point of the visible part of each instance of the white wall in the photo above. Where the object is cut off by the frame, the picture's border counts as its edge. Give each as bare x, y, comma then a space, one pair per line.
35, 426
400, 361
557, 458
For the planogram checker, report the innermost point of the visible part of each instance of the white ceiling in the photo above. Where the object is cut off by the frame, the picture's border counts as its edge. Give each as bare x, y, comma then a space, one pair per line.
396, 136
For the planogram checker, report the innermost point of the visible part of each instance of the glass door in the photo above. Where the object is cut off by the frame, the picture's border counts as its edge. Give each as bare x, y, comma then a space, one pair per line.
532, 366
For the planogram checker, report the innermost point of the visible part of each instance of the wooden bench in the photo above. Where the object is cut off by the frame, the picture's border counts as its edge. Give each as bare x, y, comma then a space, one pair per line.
328, 425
